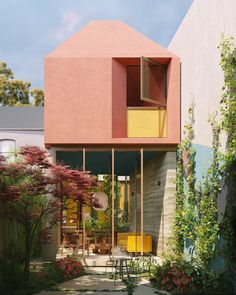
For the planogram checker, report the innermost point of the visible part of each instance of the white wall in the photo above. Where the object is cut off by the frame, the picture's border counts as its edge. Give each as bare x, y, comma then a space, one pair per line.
31, 137
195, 42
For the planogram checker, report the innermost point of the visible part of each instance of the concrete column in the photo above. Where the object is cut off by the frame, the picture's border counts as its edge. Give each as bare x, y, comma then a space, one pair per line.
49, 251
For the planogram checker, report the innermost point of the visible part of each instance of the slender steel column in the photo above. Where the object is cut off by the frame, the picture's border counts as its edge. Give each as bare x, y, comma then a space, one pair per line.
83, 207
141, 199
113, 195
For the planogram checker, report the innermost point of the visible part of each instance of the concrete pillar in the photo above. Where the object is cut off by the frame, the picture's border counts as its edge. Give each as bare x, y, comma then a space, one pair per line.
158, 200
49, 251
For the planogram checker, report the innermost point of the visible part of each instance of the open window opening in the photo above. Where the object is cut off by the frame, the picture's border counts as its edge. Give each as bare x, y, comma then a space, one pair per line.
146, 84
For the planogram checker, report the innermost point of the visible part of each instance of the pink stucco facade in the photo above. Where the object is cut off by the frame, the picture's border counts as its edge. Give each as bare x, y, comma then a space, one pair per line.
85, 87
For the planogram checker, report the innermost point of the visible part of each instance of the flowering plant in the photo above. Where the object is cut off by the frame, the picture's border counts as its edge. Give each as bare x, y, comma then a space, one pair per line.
69, 267
176, 275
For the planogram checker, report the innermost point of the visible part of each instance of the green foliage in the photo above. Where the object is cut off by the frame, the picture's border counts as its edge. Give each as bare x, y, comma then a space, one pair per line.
38, 97
207, 228
14, 281
130, 285
185, 216
12, 275
176, 275
121, 223
196, 208
95, 224
17, 92
196, 215
228, 124
179, 276
228, 99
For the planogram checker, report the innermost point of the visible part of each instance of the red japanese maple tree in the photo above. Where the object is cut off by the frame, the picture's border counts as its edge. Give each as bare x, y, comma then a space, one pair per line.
32, 191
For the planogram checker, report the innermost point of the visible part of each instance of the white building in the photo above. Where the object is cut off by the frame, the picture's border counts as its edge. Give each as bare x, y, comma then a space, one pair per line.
196, 42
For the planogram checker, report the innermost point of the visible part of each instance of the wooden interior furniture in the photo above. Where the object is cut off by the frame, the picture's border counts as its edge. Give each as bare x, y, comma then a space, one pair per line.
101, 241
71, 238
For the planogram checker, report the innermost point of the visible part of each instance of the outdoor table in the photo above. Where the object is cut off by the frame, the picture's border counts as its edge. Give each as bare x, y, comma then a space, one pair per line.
120, 265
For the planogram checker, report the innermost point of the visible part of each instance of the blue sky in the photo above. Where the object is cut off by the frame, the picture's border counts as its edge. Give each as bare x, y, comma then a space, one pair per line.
30, 29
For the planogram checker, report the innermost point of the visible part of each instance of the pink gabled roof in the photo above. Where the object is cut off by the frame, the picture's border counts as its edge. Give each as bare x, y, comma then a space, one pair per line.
109, 39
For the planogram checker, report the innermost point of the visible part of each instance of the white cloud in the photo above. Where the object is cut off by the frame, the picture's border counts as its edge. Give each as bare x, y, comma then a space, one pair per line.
68, 24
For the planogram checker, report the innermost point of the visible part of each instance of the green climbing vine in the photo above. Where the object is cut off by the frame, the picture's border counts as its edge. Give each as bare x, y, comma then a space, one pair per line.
228, 125
185, 216
196, 217
207, 227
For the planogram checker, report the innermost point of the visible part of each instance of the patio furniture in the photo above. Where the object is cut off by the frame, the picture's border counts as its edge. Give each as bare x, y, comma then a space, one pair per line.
133, 267
122, 238
134, 244
73, 238
102, 241
104, 249
111, 262
88, 239
121, 268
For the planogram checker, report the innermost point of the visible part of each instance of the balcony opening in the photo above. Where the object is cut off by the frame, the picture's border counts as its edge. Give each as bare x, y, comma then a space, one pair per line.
133, 85
146, 94
146, 84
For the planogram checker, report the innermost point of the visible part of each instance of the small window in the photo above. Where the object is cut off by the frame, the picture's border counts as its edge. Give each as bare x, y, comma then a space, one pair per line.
8, 149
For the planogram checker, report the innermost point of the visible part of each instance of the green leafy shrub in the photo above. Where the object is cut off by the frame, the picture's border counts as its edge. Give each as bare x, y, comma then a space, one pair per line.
130, 285
217, 283
176, 275
12, 274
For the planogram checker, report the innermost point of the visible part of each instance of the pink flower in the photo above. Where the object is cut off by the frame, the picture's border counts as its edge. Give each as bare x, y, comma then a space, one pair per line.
185, 280
177, 281
165, 280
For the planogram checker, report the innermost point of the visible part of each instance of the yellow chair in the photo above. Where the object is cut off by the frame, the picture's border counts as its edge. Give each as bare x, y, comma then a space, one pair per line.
134, 244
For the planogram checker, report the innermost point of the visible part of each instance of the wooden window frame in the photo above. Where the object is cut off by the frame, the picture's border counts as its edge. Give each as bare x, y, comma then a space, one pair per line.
142, 96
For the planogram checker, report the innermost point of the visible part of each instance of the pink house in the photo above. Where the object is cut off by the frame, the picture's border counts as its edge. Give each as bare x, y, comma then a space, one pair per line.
112, 106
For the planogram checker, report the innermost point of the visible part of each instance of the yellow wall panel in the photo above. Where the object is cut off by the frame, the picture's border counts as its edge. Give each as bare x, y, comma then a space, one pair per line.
146, 123
71, 212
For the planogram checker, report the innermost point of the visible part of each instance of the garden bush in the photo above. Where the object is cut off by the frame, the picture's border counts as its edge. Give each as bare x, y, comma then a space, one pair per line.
178, 276
64, 269
13, 280
12, 274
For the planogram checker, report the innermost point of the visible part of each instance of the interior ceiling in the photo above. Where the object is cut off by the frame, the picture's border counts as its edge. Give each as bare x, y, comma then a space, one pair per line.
100, 162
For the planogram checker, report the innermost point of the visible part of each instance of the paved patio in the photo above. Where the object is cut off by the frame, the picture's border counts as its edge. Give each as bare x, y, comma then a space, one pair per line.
96, 282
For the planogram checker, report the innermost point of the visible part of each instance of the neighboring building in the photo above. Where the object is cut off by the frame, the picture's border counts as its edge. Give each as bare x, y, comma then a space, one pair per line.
19, 126
112, 106
196, 42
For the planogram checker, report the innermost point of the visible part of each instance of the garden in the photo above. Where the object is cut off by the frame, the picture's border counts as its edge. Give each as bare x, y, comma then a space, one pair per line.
202, 254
